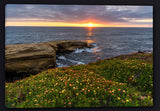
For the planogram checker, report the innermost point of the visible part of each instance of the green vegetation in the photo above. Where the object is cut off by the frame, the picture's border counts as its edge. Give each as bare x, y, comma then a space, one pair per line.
125, 80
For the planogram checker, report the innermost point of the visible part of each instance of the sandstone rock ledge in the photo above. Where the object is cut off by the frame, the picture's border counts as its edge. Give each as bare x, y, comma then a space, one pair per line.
37, 57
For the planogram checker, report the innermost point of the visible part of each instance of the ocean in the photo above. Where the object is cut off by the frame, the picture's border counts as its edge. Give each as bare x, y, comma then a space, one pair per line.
108, 42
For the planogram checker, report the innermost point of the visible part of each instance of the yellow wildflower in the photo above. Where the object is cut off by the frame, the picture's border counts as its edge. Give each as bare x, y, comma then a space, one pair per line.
118, 98
127, 100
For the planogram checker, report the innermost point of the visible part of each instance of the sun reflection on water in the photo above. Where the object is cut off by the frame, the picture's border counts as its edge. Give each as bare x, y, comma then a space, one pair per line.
89, 35
91, 40
89, 31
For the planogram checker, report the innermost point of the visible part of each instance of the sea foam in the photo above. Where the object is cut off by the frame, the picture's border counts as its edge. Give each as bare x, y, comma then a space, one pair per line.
62, 58
90, 50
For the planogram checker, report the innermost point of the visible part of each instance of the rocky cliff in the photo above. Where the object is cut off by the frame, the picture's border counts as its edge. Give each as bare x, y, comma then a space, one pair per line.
36, 57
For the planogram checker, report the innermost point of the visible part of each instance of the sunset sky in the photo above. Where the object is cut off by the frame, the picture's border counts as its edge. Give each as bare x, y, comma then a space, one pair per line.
79, 15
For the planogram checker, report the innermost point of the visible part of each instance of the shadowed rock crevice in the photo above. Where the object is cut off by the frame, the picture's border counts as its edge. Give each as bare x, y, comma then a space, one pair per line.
36, 57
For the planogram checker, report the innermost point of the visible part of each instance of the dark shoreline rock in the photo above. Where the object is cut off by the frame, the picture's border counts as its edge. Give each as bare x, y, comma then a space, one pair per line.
70, 46
36, 57
144, 51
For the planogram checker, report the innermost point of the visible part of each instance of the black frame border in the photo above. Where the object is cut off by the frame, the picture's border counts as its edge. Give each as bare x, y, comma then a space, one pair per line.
156, 48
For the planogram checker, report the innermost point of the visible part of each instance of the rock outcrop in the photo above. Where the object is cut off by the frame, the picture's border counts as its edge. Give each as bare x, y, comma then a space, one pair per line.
29, 58
69, 46
36, 57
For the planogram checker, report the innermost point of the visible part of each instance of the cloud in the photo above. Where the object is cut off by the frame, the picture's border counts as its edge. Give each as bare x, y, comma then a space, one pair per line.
77, 13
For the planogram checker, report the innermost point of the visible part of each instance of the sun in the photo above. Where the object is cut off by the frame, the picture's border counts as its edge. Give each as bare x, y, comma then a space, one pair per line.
90, 25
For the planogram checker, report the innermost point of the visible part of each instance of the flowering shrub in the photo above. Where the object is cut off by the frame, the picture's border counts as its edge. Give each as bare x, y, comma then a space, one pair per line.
112, 82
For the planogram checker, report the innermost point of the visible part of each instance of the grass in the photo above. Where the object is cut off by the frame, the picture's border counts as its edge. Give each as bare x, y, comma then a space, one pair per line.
120, 81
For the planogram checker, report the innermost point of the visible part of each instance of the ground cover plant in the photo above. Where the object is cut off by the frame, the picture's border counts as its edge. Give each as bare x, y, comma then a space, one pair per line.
125, 80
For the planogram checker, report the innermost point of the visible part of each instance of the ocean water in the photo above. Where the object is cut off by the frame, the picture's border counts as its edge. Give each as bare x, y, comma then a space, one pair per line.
108, 42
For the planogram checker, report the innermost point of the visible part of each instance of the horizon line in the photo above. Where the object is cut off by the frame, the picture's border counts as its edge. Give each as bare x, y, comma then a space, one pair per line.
82, 26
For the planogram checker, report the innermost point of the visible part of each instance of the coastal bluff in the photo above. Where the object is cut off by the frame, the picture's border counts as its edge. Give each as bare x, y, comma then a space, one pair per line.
36, 57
